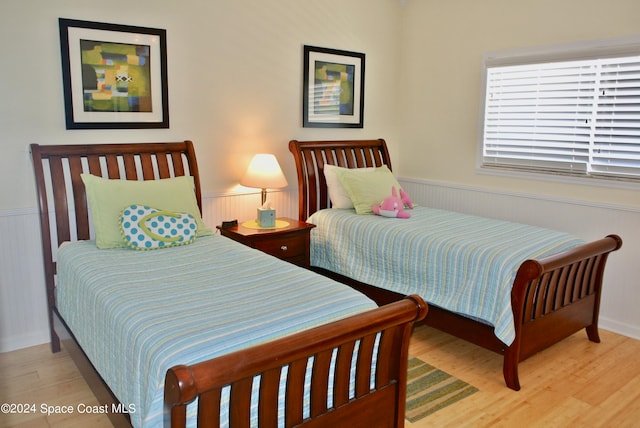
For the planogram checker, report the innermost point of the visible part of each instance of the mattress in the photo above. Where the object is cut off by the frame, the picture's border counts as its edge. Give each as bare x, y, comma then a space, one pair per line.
138, 313
462, 263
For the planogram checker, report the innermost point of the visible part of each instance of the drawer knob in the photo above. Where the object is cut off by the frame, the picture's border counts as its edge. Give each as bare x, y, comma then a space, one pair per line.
284, 248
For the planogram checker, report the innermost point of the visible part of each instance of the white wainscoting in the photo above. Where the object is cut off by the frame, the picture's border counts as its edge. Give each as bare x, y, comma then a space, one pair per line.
242, 206
588, 220
23, 303
23, 320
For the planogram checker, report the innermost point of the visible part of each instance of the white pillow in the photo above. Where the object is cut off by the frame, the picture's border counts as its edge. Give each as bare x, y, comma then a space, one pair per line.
337, 193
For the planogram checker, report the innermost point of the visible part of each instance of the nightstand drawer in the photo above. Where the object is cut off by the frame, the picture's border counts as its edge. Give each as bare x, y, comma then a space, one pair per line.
289, 242
285, 247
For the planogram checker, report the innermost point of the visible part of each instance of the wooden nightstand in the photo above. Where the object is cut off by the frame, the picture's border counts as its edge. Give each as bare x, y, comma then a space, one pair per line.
290, 242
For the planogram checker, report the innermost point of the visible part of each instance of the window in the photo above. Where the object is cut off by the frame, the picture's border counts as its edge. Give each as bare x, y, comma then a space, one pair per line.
576, 116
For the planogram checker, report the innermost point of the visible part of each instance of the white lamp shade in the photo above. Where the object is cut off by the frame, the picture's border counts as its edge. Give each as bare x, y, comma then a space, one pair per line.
264, 173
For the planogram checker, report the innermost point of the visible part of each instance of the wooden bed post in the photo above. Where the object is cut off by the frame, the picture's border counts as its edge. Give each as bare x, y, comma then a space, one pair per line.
180, 387
45, 230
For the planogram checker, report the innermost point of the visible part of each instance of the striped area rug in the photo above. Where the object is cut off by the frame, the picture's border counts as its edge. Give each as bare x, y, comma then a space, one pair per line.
430, 389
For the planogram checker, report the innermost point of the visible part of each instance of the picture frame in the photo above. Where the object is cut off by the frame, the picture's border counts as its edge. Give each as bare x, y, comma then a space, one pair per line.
333, 88
114, 76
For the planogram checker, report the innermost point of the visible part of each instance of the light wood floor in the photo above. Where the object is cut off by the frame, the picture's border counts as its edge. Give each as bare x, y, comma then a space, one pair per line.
576, 383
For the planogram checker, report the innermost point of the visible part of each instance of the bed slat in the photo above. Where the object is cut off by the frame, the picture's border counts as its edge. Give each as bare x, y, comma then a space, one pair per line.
268, 399
363, 370
60, 198
295, 392
311, 177
129, 161
320, 382
79, 199
113, 171
589, 277
146, 162
551, 294
163, 166
94, 165
240, 403
319, 158
209, 408
333, 157
343, 367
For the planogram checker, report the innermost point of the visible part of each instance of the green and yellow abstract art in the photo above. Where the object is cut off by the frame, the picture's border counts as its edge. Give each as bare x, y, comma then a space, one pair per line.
116, 77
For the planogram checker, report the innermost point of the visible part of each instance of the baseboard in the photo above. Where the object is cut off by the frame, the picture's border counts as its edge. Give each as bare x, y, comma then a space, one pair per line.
619, 328
12, 343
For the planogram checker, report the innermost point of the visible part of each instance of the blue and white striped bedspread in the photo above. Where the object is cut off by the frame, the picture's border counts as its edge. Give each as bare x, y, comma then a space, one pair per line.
459, 262
138, 313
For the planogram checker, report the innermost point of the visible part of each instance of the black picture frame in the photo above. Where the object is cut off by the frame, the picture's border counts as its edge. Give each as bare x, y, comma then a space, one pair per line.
333, 88
114, 76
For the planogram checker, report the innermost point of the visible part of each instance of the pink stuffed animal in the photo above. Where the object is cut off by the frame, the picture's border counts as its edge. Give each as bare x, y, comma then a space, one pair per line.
393, 206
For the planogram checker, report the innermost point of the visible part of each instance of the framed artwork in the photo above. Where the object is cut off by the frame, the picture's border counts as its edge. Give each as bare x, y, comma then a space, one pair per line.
114, 76
333, 88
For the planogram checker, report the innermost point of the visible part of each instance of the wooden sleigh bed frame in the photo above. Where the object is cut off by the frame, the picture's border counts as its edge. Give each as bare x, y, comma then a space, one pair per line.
573, 278
62, 202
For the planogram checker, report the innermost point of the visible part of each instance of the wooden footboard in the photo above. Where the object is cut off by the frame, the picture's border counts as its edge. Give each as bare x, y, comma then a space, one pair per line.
380, 406
554, 297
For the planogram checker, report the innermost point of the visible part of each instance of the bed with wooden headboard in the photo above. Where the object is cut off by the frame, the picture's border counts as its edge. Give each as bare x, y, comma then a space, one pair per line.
369, 392
550, 298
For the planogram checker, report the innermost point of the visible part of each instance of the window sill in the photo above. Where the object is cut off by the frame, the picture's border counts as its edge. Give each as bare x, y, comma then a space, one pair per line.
617, 183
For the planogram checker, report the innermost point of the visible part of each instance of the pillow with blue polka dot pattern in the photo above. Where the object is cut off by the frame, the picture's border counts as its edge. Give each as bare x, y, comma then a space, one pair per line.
146, 228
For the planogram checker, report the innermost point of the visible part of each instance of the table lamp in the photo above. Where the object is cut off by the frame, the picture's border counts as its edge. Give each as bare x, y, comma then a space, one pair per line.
264, 172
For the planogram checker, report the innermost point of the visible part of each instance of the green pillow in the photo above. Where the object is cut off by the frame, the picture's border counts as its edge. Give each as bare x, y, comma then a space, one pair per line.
337, 193
368, 189
107, 198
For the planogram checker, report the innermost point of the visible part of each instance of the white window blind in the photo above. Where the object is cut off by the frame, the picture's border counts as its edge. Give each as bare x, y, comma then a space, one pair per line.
577, 117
